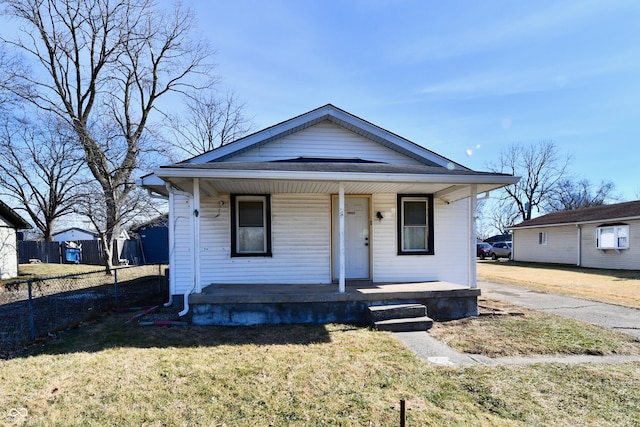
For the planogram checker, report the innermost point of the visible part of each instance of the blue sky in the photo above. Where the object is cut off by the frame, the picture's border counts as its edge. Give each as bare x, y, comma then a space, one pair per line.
462, 78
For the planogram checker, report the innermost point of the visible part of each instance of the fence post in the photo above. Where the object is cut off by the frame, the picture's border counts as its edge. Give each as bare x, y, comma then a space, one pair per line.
32, 323
115, 284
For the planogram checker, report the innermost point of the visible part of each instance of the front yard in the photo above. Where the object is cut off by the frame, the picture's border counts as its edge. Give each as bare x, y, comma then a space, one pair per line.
112, 373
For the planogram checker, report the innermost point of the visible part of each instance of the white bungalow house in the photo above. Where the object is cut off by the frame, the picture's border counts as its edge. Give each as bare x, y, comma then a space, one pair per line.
10, 222
606, 236
324, 200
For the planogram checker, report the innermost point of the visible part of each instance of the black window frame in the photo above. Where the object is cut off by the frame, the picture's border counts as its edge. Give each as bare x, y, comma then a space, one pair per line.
234, 226
428, 198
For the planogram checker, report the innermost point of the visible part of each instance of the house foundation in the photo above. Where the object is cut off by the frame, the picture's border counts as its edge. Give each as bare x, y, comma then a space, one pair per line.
236, 305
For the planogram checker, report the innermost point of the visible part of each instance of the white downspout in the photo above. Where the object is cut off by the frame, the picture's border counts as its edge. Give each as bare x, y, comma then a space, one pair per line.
195, 238
172, 273
579, 263
341, 279
171, 225
473, 280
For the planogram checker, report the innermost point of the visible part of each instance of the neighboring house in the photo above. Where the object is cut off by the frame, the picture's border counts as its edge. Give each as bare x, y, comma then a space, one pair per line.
74, 234
153, 237
10, 222
606, 236
499, 238
320, 199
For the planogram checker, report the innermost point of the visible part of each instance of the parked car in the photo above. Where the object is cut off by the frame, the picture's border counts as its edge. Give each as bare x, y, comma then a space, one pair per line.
483, 250
501, 250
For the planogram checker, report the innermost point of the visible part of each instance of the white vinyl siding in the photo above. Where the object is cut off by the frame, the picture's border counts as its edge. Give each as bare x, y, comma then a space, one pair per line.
8, 251
301, 245
182, 245
451, 245
559, 247
321, 141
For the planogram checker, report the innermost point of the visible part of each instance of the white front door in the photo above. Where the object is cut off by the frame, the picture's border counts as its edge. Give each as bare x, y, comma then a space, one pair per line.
356, 238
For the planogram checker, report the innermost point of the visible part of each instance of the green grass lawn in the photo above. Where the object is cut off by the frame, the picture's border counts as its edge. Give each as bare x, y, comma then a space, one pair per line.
112, 373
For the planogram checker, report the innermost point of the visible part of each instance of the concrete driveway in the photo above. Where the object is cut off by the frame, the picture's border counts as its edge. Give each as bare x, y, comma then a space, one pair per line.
610, 316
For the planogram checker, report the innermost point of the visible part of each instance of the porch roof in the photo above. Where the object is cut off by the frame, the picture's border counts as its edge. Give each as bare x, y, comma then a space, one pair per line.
324, 176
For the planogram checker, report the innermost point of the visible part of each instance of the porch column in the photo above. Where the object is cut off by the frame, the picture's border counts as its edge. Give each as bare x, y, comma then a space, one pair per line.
197, 286
172, 255
341, 279
473, 280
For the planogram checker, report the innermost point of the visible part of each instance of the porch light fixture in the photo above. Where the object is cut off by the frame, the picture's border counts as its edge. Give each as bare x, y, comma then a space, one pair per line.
379, 216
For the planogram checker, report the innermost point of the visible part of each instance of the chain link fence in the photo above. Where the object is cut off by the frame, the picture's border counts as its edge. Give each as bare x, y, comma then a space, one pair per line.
32, 309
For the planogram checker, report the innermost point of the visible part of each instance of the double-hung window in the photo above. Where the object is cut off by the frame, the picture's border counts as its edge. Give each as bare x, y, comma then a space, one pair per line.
415, 225
615, 236
250, 225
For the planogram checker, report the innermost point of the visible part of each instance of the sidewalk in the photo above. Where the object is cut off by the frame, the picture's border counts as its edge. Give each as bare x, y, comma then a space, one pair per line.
610, 316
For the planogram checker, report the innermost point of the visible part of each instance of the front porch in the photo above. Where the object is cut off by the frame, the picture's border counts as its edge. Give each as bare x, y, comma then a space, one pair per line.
250, 304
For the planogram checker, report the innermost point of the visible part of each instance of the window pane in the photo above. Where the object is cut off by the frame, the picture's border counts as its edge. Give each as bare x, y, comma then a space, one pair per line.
607, 237
415, 213
250, 214
414, 238
251, 239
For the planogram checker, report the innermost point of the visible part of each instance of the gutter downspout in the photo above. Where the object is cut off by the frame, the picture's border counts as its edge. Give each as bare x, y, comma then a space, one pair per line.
473, 280
171, 225
341, 279
579, 227
195, 238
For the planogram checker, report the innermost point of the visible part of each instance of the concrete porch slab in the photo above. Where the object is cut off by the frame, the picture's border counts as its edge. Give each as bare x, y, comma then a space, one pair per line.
250, 304
355, 291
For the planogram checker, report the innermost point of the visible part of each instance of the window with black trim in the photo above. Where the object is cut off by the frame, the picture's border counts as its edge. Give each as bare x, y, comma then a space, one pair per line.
250, 225
415, 224
542, 238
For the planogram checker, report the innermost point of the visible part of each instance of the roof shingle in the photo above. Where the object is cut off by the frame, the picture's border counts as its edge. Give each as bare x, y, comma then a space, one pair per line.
591, 214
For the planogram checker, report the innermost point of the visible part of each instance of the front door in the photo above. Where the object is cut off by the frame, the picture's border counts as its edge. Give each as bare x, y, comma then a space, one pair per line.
356, 238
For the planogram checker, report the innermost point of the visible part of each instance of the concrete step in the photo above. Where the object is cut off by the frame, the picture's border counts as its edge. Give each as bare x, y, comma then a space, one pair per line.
404, 325
376, 313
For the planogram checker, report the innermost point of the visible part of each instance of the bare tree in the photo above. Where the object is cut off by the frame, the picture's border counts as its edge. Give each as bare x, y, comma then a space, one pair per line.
105, 62
569, 194
40, 166
503, 214
140, 206
208, 122
540, 167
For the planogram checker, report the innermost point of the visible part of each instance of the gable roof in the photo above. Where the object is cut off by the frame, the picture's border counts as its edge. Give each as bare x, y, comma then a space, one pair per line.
223, 170
334, 115
12, 217
93, 233
615, 212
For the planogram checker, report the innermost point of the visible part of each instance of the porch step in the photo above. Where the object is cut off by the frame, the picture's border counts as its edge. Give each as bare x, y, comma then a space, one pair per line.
399, 317
405, 324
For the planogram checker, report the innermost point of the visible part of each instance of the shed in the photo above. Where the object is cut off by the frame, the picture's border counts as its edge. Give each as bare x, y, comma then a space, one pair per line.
10, 222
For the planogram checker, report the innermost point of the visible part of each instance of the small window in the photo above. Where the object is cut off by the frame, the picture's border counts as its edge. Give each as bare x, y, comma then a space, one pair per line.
250, 226
613, 237
415, 225
542, 238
